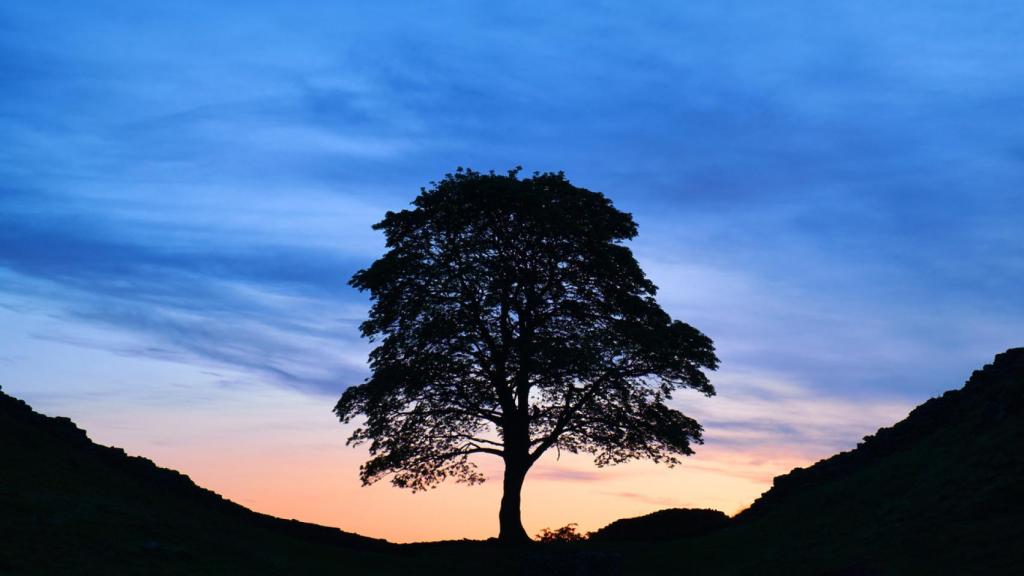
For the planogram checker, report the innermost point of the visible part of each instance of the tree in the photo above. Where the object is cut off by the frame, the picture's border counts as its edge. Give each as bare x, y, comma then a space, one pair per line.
512, 320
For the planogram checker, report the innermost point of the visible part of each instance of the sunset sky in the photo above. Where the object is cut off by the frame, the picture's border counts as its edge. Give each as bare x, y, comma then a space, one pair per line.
833, 192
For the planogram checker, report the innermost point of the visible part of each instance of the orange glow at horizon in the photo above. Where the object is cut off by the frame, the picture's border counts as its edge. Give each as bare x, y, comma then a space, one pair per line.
283, 453
322, 486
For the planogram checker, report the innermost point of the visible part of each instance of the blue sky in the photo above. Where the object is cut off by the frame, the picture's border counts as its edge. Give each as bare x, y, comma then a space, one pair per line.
831, 191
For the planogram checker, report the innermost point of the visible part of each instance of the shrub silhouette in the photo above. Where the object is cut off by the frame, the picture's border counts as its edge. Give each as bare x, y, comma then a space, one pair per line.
670, 524
567, 533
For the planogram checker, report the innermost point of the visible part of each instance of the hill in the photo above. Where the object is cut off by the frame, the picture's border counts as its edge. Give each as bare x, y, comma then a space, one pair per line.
670, 524
69, 506
937, 493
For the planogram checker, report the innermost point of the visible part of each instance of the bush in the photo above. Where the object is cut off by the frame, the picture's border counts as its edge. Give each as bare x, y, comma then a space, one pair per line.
566, 533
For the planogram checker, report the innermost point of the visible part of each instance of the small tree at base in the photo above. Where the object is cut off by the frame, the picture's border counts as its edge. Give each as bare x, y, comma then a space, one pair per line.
512, 320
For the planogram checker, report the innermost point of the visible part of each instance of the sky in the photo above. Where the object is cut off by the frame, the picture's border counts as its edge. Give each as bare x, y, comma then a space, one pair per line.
832, 191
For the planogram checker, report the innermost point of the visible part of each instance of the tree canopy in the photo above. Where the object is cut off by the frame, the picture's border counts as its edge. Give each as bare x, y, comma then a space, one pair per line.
511, 319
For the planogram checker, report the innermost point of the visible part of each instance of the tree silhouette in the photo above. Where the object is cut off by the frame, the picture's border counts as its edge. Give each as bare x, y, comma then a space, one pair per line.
512, 320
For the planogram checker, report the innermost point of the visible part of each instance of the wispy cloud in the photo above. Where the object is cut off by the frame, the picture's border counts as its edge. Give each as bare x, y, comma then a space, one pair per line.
836, 206
769, 414
660, 501
554, 473
288, 320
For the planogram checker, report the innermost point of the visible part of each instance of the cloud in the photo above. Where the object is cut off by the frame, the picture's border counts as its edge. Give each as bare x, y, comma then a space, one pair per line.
660, 501
270, 311
836, 204
553, 473
770, 415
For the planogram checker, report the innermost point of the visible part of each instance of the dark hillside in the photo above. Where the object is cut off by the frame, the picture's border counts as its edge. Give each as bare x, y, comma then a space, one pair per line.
990, 404
69, 506
938, 493
670, 524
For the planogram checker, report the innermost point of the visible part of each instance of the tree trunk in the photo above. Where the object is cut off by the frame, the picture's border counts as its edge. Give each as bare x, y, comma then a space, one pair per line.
509, 517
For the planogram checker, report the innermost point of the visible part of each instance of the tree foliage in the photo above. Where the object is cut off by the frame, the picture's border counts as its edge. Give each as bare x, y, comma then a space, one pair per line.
511, 319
